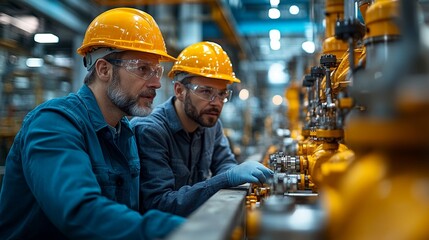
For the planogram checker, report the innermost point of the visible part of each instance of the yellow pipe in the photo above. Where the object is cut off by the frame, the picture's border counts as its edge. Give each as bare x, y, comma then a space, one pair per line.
292, 95
384, 193
321, 164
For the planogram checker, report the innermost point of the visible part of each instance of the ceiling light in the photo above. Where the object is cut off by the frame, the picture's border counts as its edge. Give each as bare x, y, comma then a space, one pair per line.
276, 74
277, 100
275, 34
28, 24
244, 94
308, 46
34, 62
275, 45
274, 3
273, 13
294, 9
46, 38
63, 61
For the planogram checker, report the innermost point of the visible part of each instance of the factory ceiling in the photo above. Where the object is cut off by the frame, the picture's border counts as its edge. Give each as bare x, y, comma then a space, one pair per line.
241, 26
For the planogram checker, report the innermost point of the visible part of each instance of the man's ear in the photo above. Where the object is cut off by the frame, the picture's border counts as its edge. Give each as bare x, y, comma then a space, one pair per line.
179, 91
103, 69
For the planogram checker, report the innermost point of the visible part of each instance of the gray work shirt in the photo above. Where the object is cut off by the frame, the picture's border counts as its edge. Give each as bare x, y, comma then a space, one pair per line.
180, 171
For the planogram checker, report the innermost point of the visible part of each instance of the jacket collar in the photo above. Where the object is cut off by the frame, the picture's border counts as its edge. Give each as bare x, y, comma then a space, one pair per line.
94, 112
173, 119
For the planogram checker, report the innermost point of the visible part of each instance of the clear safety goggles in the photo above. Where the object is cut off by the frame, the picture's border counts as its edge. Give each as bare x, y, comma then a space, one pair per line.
209, 93
139, 68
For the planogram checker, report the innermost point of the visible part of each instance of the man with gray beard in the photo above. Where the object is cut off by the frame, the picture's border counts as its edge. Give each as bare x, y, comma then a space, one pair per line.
73, 171
185, 156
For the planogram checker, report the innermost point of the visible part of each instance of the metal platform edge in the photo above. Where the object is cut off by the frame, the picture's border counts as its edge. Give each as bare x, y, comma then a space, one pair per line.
216, 219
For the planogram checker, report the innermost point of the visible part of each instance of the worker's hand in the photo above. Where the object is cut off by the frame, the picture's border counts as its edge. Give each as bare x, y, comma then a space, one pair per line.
248, 172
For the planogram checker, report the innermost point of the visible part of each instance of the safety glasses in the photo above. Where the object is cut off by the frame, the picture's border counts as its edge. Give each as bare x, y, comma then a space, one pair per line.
139, 68
209, 93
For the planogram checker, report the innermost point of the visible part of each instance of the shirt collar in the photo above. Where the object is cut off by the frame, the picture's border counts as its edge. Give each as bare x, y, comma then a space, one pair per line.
174, 121
94, 112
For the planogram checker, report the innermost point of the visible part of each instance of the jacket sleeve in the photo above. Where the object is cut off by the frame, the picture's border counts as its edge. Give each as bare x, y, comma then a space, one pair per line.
223, 158
58, 171
159, 190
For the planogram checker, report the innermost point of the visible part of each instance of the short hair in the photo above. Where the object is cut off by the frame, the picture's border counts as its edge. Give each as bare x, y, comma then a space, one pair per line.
90, 76
186, 80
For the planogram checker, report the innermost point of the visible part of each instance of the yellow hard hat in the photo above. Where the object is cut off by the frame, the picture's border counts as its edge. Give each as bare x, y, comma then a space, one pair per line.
124, 29
205, 59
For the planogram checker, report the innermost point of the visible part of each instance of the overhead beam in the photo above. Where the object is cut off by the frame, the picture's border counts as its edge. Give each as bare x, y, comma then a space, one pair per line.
113, 3
58, 12
220, 13
226, 22
287, 27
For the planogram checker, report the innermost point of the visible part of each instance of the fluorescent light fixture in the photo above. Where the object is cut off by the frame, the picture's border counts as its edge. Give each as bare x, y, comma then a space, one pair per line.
63, 61
275, 34
276, 74
275, 45
28, 24
34, 62
308, 46
273, 13
274, 3
294, 9
46, 38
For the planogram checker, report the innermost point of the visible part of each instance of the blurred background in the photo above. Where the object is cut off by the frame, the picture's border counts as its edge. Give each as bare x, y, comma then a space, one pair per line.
333, 98
270, 44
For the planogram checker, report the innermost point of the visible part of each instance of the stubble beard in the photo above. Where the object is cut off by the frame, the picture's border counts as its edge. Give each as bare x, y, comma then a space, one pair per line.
192, 113
126, 104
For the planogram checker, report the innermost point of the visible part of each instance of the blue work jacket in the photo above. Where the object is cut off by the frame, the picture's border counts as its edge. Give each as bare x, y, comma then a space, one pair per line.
67, 178
180, 171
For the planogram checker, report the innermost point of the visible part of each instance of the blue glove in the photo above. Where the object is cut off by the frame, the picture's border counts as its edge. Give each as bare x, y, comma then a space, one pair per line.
248, 172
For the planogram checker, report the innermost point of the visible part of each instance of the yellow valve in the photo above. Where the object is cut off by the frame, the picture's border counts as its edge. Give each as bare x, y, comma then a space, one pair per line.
307, 146
381, 19
387, 197
334, 46
331, 45
334, 10
330, 133
321, 156
345, 103
292, 95
336, 166
341, 73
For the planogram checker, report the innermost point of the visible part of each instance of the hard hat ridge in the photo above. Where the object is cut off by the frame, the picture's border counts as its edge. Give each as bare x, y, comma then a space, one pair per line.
206, 59
124, 29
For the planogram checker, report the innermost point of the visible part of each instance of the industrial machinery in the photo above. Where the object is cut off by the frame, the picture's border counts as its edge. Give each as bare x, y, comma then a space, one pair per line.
358, 167
365, 143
